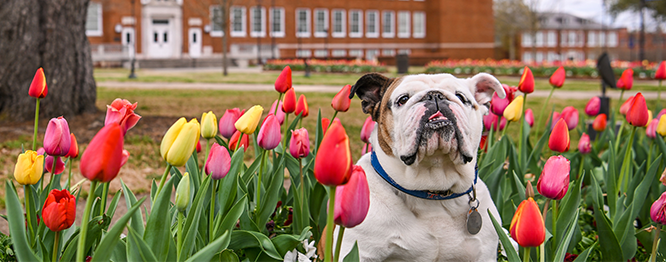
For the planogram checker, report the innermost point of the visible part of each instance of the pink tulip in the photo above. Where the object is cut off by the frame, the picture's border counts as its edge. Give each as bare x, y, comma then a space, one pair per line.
299, 145
123, 160
57, 139
366, 130
269, 135
554, 180
529, 117
494, 120
121, 111
593, 106
226, 124
556, 117
584, 146
658, 210
218, 163
570, 115
497, 104
651, 130
352, 200
661, 113
48, 165
280, 113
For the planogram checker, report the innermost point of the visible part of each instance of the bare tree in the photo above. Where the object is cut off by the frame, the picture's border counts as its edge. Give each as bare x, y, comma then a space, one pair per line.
656, 8
219, 18
511, 17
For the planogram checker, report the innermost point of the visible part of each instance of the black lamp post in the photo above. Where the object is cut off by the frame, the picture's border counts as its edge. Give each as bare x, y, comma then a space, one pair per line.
132, 74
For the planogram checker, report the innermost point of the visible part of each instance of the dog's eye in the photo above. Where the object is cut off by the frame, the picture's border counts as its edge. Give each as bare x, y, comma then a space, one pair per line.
462, 98
403, 100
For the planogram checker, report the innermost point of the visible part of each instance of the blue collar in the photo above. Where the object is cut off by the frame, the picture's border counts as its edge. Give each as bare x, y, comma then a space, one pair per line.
432, 195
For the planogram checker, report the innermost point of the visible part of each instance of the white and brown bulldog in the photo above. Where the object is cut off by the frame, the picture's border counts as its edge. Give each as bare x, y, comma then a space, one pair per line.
422, 172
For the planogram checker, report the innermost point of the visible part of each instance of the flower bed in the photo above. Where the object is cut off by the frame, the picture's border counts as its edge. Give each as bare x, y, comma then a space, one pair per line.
328, 66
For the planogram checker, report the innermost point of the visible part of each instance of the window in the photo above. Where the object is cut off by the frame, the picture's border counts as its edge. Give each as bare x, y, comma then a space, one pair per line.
238, 21
258, 21
338, 23
563, 38
539, 39
356, 52
612, 39
216, 21
277, 22
94, 19
527, 39
404, 51
552, 56
591, 39
403, 24
371, 54
552, 39
418, 20
303, 53
527, 57
602, 39
320, 23
338, 52
572, 38
388, 24
303, 23
355, 23
372, 24
539, 57
321, 53
388, 52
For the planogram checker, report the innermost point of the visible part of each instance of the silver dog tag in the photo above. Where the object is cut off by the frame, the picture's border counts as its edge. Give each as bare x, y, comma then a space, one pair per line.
473, 221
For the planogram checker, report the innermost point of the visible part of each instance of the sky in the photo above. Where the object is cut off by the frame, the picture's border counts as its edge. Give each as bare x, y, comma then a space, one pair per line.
592, 9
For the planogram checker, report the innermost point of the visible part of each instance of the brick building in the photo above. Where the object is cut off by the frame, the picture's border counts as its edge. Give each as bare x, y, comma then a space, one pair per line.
183, 29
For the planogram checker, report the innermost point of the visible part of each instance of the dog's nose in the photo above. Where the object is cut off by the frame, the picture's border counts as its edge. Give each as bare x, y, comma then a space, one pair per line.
434, 95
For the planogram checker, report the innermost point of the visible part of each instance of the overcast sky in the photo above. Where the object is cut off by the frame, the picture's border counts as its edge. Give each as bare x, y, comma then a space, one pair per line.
592, 9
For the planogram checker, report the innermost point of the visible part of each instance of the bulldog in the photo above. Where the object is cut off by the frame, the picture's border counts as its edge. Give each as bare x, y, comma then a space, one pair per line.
424, 189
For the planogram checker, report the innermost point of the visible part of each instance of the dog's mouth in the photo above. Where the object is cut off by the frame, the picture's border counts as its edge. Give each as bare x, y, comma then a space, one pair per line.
438, 121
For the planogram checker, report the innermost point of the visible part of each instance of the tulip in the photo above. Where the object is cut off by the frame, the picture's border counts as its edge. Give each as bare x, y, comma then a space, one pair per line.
570, 115
558, 77
299, 145
227, 122
126, 155
624, 108
584, 146
638, 114
599, 123
183, 193
48, 165
494, 120
73, 148
626, 81
103, 157
556, 117
526, 84
121, 112
529, 117
245, 141
482, 143
180, 141
554, 180
367, 148
218, 163
208, 125
514, 111
333, 164
341, 100
57, 139
559, 137
29, 168
325, 122
302, 108
660, 74
289, 103
199, 146
593, 106
527, 225
497, 104
658, 210
283, 82
269, 135
352, 200
248, 122
661, 113
38, 88
661, 127
280, 113
59, 210
662, 179
367, 128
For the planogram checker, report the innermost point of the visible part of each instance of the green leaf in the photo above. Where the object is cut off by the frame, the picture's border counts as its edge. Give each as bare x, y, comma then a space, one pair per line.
221, 141
211, 249
229, 221
611, 180
158, 228
137, 218
286, 242
112, 237
95, 227
119, 252
141, 246
269, 200
352, 256
582, 257
504, 239
193, 218
114, 203
319, 135
227, 255
241, 239
292, 126
17, 226
229, 184
562, 249
568, 211
610, 247
192, 167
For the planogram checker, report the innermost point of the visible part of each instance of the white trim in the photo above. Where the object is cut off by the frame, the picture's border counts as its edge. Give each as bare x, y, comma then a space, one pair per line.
407, 25
306, 32
280, 33
415, 17
391, 24
99, 30
353, 34
315, 23
376, 24
213, 32
262, 13
243, 21
343, 23
392, 45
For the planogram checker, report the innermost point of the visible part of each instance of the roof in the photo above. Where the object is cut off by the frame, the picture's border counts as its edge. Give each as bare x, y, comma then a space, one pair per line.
555, 20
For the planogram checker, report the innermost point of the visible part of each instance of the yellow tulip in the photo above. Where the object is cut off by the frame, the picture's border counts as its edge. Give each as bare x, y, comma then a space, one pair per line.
183, 193
248, 122
29, 168
180, 141
208, 125
514, 110
661, 127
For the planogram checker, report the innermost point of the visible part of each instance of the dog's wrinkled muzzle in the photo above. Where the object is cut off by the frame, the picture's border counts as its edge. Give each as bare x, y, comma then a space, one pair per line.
438, 113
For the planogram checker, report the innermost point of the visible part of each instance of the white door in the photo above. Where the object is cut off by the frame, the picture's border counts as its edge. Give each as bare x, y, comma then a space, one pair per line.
161, 39
195, 42
127, 36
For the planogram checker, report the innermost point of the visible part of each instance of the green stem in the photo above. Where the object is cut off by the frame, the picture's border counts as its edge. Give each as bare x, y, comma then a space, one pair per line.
300, 122
300, 165
657, 232
162, 181
207, 153
627, 159
105, 192
261, 172
649, 157
286, 129
212, 210
28, 210
84, 224
619, 134
34, 136
240, 137
520, 139
338, 245
554, 218
543, 109
334, 115
53, 172
56, 248
179, 247
526, 254
277, 104
580, 168
69, 177
330, 226
505, 128
619, 103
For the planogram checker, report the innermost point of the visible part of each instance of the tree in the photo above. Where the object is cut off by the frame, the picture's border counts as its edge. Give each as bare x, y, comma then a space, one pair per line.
657, 8
220, 18
511, 17
48, 34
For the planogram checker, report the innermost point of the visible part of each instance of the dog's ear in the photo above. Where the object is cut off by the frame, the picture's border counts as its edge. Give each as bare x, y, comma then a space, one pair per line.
370, 88
483, 86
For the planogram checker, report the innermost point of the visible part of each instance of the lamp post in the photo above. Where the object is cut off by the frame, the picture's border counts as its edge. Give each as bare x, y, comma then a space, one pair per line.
132, 74
261, 24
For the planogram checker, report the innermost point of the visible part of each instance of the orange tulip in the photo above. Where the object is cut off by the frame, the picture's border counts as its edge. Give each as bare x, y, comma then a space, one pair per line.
324, 124
526, 84
558, 77
59, 210
599, 123
341, 100
333, 162
245, 141
302, 107
638, 114
73, 148
283, 82
559, 137
527, 225
38, 88
289, 102
103, 157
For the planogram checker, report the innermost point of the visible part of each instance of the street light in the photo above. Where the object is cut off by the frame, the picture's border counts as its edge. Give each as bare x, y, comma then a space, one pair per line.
132, 75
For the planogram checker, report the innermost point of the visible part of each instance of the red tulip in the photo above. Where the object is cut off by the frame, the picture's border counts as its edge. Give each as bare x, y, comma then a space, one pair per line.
624, 108
299, 145
352, 200
121, 112
651, 130
638, 113
661, 71
73, 148
497, 122
226, 124
280, 113
626, 81
324, 124
527, 225
269, 135
199, 146
658, 210
302, 107
584, 145
558, 77
48, 165
289, 102
218, 163
483, 142
103, 157
599, 123
559, 137
126, 155
59, 210
526, 84
593, 106
245, 141
366, 130
283, 82
38, 88
570, 115
529, 117
57, 139
333, 163
367, 148
554, 180
341, 100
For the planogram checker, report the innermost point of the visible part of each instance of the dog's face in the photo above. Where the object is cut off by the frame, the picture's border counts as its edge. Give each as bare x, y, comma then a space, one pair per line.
421, 116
